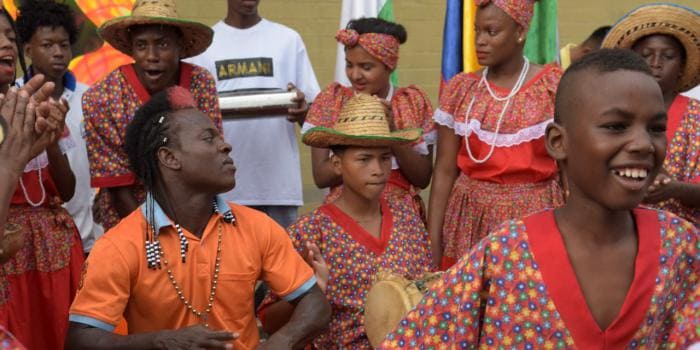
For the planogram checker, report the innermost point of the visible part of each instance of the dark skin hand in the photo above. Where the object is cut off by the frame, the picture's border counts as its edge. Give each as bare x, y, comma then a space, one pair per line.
666, 187
24, 112
297, 114
82, 336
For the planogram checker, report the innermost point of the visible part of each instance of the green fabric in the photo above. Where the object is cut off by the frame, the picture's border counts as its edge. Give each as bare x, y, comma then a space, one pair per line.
387, 13
542, 40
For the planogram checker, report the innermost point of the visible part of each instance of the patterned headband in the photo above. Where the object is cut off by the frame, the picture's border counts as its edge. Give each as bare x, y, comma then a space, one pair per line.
520, 10
383, 47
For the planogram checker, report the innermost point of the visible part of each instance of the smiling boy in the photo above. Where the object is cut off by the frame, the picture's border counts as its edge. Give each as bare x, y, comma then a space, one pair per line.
597, 273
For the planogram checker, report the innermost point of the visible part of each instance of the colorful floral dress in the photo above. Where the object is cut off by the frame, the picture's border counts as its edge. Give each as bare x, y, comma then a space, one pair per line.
40, 280
410, 107
683, 151
517, 289
518, 178
354, 257
108, 107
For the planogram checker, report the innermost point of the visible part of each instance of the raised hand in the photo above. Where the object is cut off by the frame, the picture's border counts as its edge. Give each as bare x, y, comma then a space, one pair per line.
297, 114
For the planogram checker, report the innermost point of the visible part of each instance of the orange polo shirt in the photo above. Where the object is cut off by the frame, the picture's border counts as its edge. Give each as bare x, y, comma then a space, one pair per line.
117, 282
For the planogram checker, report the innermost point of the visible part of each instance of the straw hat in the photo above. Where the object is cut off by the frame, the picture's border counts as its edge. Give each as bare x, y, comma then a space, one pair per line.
362, 123
662, 18
196, 36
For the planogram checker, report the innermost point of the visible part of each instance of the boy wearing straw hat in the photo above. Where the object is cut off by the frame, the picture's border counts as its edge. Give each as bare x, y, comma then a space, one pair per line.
157, 38
351, 239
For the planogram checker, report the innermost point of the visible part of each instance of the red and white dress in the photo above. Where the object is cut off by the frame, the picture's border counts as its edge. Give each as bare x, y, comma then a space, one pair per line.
518, 177
410, 108
38, 283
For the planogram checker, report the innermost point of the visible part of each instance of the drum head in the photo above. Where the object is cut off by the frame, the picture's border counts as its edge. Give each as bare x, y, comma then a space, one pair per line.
388, 301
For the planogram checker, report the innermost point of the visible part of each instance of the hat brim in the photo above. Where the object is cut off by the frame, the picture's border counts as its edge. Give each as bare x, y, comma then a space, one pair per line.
196, 36
678, 21
323, 137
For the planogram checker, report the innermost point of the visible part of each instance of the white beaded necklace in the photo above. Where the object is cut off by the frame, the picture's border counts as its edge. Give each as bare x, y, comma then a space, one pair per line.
26, 195
514, 91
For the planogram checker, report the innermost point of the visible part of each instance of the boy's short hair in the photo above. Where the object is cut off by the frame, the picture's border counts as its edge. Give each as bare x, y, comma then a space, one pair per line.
34, 14
601, 61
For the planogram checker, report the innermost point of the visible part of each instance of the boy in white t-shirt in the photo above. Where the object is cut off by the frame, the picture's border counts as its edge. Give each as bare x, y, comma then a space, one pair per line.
251, 52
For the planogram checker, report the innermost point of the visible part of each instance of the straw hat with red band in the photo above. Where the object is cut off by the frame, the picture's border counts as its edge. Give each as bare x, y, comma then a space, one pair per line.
363, 123
196, 37
680, 22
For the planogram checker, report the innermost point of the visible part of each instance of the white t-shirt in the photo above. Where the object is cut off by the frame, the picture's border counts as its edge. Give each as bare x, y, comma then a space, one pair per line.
80, 205
693, 93
264, 149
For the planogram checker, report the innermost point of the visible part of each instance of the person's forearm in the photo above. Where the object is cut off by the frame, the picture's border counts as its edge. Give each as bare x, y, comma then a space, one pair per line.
61, 173
689, 194
311, 316
322, 170
89, 338
443, 181
415, 167
124, 200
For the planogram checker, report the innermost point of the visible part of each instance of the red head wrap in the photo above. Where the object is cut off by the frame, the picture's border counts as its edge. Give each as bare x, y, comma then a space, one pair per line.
520, 10
383, 47
180, 98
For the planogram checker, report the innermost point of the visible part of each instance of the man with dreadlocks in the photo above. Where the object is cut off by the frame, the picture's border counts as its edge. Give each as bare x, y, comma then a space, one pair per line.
190, 285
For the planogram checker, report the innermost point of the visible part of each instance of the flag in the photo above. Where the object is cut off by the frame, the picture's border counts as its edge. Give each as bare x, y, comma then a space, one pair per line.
353, 9
458, 46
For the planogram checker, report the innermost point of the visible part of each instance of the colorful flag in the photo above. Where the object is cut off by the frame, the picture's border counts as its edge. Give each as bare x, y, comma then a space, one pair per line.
353, 9
458, 47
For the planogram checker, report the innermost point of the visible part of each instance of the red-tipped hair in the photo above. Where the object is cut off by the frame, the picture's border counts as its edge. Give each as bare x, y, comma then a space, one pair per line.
180, 98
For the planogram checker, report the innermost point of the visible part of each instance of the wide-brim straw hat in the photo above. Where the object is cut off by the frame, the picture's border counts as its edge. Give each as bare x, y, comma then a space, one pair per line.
363, 123
196, 36
681, 22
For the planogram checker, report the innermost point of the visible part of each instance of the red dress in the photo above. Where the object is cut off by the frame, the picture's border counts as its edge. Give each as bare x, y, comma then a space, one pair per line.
516, 289
683, 151
518, 177
40, 281
410, 107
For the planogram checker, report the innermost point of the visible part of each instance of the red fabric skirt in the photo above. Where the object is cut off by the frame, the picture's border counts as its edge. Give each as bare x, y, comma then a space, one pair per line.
40, 281
476, 208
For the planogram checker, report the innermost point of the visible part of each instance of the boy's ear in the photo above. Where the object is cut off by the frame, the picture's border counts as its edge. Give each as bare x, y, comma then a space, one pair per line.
555, 141
168, 158
335, 164
27, 52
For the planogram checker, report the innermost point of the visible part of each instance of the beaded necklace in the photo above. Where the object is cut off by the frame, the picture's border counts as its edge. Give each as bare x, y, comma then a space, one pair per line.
516, 88
156, 255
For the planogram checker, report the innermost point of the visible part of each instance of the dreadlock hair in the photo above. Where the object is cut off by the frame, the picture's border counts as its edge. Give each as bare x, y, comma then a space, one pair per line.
34, 14
18, 41
145, 135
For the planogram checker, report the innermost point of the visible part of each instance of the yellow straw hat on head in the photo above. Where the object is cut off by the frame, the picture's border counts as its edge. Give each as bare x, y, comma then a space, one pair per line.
680, 22
196, 36
362, 123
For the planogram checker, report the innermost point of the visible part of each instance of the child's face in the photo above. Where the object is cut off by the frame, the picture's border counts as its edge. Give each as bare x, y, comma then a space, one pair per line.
50, 51
365, 171
664, 54
613, 141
